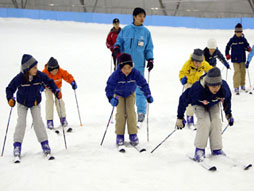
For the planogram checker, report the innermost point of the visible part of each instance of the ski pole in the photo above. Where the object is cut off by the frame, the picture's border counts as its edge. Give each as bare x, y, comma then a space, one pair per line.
5, 137
225, 129
60, 109
164, 140
226, 74
108, 123
221, 111
147, 108
249, 80
78, 108
111, 64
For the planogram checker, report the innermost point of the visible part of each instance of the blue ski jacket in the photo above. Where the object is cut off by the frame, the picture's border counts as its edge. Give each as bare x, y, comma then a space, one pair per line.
238, 46
124, 86
28, 93
200, 95
136, 41
212, 59
251, 54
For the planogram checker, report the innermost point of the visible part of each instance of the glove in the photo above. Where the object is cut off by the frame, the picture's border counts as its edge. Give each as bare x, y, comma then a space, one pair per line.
42, 88
230, 119
249, 49
116, 52
149, 99
114, 101
180, 123
227, 65
150, 65
74, 85
247, 64
228, 56
12, 102
58, 94
184, 80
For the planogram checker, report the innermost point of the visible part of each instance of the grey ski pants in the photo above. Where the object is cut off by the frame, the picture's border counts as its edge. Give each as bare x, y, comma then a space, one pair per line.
208, 126
38, 125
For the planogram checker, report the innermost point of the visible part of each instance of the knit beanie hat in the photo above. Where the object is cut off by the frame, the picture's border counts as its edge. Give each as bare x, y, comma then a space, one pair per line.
52, 64
239, 28
211, 43
138, 10
27, 63
116, 20
197, 55
125, 59
213, 77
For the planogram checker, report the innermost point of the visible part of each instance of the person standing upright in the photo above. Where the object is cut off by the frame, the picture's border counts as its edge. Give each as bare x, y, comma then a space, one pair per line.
112, 36
136, 40
238, 45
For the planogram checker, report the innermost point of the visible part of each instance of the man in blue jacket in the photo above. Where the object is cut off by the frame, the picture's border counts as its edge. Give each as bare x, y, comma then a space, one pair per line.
135, 39
238, 45
205, 96
120, 91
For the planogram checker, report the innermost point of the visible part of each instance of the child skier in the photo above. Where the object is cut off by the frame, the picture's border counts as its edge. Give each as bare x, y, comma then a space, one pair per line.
211, 52
238, 45
111, 38
56, 73
135, 39
28, 82
122, 83
191, 71
205, 95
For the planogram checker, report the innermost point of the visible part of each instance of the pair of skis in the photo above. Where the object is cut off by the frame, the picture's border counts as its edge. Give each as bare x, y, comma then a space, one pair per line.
17, 159
122, 148
205, 163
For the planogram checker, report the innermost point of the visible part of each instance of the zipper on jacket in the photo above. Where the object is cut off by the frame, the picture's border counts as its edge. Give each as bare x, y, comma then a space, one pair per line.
131, 43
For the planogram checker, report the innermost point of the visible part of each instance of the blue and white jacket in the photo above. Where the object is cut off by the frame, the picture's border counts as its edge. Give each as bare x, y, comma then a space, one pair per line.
28, 93
200, 95
136, 41
124, 86
238, 46
251, 54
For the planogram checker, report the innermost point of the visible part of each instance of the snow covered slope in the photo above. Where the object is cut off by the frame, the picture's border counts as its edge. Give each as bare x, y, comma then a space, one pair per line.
80, 48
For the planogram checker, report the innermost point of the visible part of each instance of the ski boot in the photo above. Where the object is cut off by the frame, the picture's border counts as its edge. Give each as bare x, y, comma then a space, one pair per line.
63, 121
120, 140
133, 139
190, 121
218, 152
141, 117
45, 147
237, 92
17, 149
50, 124
243, 88
199, 154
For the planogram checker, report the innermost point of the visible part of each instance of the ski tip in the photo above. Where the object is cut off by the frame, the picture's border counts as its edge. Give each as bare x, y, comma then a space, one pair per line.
69, 130
247, 167
51, 158
142, 150
213, 168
